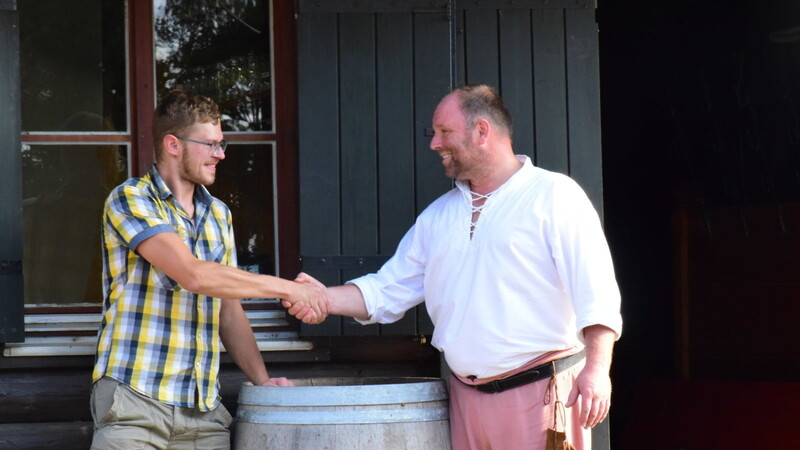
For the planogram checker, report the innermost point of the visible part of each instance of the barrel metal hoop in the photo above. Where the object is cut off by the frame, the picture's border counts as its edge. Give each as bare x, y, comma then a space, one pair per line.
341, 417
343, 395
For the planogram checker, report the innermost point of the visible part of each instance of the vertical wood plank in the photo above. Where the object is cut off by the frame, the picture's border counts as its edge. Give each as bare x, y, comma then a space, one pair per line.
583, 103
11, 299
481, 52
318, 113
458, 46
358, 145
516, 75
431, 75
141, 73
550, 90
286, 129
395, 141
395, 74
358, 125
432, 82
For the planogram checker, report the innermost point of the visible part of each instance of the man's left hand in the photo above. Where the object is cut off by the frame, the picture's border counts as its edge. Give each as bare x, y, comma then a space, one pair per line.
280, 381
593, 384
593, 388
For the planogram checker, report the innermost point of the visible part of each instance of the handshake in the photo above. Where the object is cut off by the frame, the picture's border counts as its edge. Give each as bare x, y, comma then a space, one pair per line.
309, 301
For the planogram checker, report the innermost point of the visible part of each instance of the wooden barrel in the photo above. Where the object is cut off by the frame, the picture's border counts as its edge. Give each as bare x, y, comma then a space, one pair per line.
344, 413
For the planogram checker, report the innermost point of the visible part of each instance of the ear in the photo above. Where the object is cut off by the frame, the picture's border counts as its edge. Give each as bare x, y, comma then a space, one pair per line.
172, 145
483, 126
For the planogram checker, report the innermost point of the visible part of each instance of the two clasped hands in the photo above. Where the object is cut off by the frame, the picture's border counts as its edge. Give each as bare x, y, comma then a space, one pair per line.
313, 307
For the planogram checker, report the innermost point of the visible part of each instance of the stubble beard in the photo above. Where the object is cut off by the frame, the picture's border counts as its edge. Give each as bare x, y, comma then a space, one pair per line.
466, 163
193, 175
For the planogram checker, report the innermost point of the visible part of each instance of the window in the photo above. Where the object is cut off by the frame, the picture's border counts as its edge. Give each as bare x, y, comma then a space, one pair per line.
75, 141
64, 187
221, 50
89, 84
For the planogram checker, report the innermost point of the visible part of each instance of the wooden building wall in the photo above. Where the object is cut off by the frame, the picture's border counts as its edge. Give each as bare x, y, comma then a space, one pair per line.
10, 176
370, 76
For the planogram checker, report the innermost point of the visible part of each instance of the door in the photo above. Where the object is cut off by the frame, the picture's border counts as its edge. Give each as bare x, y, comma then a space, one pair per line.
370, 76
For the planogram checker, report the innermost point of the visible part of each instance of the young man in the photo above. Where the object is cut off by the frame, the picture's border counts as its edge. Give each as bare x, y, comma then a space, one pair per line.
171, 292
518, 280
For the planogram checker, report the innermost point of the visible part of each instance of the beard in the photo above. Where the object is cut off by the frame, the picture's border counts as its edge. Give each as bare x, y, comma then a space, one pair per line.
466, 163
192, 173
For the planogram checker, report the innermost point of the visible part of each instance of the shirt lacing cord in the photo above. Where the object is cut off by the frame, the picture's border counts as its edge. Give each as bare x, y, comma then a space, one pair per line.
475, 210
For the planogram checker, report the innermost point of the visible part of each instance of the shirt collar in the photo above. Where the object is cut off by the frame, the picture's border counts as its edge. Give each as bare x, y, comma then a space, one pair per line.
523, 173
201, 194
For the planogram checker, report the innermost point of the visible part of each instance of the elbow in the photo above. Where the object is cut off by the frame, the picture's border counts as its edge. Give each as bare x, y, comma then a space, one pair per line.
193, 281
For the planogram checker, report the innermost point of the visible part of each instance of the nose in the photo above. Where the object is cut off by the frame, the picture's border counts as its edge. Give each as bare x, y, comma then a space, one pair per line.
436, 142
219, 154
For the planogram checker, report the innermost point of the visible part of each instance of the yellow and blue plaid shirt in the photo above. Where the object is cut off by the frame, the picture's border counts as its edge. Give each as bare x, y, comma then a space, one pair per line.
156, 337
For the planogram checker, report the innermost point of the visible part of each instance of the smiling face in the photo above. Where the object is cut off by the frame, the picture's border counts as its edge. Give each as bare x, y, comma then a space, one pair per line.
197, 165
458, 146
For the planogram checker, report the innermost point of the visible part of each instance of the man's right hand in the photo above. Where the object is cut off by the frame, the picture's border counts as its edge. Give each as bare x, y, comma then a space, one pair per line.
310, 304
344, 300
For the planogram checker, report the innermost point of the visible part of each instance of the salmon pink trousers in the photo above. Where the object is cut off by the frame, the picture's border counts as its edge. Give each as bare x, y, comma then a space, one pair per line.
517, 418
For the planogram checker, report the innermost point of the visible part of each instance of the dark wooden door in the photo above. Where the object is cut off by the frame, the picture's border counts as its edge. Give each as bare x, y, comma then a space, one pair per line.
370, 76
369, 79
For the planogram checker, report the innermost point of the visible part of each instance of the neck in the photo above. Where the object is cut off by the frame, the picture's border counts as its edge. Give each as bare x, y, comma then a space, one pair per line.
504, 170
182, 190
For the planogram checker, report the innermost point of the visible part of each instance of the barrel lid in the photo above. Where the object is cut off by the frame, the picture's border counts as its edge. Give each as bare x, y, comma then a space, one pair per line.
331, 392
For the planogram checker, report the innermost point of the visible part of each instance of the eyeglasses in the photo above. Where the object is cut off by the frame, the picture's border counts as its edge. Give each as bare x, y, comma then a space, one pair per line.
214, 148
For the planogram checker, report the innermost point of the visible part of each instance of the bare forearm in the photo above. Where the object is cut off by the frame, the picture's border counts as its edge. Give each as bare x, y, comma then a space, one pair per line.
599, 341
240, 343
347, 301
169, 253
217, 280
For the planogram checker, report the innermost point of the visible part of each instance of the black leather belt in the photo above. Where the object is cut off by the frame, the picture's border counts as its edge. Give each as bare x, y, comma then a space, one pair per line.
537, 373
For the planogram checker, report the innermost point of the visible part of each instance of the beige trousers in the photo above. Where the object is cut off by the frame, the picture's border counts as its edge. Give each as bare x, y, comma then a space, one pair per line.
127, 420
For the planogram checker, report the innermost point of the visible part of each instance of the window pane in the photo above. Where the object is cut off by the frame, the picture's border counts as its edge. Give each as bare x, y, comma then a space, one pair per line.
220, 50
64, 187
72, 57
245, 183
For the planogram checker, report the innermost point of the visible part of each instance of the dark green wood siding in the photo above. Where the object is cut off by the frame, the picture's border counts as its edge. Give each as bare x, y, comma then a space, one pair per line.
363, 149
320, 183
371, 74
544, 62
11, 295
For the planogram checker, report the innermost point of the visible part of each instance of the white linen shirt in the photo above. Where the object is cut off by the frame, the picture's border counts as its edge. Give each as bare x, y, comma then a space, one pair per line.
536, 271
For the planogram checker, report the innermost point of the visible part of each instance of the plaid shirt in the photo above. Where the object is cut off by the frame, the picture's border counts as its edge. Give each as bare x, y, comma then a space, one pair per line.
156, 337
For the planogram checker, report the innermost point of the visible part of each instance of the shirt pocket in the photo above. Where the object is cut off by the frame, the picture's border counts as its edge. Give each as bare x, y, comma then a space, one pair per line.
216, 251
163, 281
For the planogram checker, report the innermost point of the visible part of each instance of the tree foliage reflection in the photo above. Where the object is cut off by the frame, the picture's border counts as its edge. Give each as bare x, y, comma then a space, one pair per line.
218, 48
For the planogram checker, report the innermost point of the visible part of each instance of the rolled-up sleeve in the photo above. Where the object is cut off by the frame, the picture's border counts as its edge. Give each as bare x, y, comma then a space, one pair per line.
133, 216
398, 286
583, 260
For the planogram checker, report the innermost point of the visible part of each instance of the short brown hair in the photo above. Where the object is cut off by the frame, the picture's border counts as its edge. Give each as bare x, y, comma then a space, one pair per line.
177, 112
481, 101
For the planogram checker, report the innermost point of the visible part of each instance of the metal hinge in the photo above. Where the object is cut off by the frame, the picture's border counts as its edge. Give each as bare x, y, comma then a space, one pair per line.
10, 267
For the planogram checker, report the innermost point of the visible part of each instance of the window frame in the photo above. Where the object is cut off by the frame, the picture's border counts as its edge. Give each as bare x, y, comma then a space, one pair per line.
141, 99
